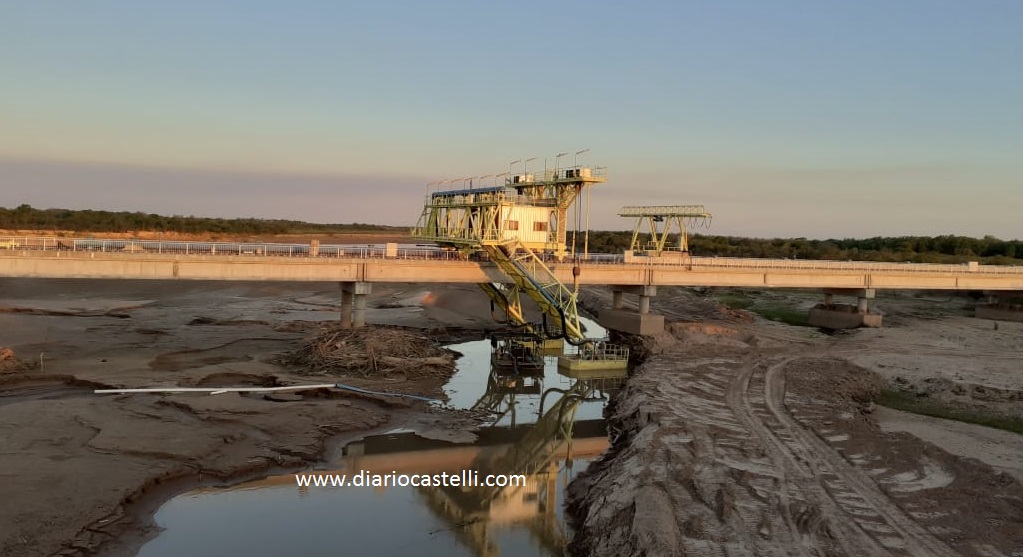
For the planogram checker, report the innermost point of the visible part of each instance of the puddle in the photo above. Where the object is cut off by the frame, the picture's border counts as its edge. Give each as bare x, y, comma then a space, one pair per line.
520, 403
547, 428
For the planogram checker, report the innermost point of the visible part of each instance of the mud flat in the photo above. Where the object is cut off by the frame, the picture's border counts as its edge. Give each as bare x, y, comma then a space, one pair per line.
81, 473
739, 436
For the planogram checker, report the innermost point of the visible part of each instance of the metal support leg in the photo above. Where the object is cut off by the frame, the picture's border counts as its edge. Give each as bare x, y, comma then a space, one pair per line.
861, 304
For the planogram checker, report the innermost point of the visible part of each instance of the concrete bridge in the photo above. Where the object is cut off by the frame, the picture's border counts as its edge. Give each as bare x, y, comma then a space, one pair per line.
357, 267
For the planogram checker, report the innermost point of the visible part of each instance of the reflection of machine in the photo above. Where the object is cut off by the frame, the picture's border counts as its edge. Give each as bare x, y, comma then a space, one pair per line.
535, 455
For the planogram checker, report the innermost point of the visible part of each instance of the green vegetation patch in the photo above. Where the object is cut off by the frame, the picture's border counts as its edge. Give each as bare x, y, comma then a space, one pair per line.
772, 310
926, 406
789, 316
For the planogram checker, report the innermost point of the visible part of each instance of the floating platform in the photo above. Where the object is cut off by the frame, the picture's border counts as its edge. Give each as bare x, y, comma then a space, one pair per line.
600, 356
590, 374
575, 364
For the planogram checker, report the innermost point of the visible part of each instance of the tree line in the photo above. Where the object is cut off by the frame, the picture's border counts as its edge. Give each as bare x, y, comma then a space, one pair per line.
26, 217
917, 249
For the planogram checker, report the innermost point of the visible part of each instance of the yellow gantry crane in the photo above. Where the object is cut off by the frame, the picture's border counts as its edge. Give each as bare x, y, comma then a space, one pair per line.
522, 225
662, 219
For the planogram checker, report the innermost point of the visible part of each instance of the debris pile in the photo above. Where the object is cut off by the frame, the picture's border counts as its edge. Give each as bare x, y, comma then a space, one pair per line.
371, 352
9, 362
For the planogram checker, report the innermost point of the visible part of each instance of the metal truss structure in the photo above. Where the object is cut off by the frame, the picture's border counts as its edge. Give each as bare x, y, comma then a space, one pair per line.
473, 218
520, 225
662, 220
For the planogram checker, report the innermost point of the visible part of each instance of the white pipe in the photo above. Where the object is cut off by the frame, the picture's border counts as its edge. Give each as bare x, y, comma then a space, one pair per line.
215, 390
221, 390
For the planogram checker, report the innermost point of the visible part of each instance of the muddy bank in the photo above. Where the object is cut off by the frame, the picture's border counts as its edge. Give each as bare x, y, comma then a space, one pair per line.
82, 472
759, 439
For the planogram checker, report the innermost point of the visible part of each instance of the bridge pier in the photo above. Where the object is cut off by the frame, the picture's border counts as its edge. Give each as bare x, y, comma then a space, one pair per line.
353, 303
639, 322
1001, 306
830, 315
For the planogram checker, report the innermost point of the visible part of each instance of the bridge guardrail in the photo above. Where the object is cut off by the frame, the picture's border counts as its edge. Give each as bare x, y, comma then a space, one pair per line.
351, 251
264, 249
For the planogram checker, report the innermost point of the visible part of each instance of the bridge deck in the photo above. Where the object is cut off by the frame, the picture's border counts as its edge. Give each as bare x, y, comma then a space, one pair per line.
243, 262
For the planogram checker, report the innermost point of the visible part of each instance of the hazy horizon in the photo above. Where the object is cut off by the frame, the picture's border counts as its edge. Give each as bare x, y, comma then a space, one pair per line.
791, 119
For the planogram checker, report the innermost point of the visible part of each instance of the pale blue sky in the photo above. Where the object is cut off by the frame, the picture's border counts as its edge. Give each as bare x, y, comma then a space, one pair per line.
785, 118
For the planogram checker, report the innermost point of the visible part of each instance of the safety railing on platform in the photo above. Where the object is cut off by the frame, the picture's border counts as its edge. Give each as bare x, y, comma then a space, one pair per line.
455, 235
600, 351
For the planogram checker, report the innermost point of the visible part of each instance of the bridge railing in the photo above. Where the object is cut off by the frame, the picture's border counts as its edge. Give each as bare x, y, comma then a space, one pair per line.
180, 247
703, 262
29, 244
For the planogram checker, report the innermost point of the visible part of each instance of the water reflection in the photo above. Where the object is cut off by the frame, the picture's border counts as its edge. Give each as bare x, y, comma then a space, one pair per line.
538, 432
515, 398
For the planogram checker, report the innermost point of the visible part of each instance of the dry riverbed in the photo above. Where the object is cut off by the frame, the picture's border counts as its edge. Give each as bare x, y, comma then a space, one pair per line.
737, 435
83, 472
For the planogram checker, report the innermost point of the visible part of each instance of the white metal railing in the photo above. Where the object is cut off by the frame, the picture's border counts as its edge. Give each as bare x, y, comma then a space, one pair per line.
251, 249
28, 244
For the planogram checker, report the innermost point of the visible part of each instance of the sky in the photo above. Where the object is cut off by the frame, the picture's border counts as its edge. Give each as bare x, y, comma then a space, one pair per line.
784, 119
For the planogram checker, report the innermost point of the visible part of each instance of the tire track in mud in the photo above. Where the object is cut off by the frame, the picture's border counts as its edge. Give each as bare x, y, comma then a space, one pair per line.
864, 520
802, 502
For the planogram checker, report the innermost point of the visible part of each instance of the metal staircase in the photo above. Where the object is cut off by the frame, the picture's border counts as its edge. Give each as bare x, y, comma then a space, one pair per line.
534, 278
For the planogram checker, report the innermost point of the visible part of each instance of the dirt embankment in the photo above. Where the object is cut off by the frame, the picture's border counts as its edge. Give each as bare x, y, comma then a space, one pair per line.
756, 439
83, 472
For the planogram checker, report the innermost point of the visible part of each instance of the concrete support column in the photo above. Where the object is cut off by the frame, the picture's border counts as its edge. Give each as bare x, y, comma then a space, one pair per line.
843, 316
353, 303
640, 322
645, 293
644, 304
346, 307
861, 304
359, 311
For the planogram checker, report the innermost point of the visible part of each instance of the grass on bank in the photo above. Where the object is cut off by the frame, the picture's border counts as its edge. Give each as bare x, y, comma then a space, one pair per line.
789, 316
910, 402
741, 300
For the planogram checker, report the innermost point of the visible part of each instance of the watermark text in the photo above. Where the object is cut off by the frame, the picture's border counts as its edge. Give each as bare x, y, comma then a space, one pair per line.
365, 478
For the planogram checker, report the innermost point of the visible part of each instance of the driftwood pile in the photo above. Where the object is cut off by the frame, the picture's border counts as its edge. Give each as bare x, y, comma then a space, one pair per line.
372, 352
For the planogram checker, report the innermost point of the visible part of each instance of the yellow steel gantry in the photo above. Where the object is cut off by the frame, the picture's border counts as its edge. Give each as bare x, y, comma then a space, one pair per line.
521, 225
660, 219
